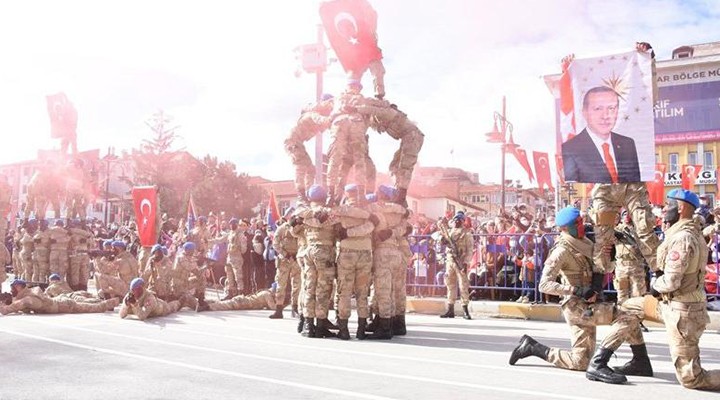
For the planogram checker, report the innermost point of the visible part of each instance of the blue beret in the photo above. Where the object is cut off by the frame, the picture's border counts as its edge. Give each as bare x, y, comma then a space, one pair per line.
371, 197
189, 246
59, 222
234, 221
136, 283
20, 282
354, 82
202, 218
316, 193
387, 192
326, 97
108, 242
119, 243
566, 216
460, 215
351, 187
685, 195
54, 277
155, 248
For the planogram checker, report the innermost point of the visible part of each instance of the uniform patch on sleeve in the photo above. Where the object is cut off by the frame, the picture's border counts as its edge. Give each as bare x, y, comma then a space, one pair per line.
674, 255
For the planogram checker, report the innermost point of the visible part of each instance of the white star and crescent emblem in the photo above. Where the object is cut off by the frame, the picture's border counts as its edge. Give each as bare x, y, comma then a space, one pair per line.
347, 26
143, 203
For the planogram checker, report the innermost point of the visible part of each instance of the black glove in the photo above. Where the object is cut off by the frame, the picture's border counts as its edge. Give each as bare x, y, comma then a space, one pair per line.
383, 235
129, 299
321, 216
341, 232
598, 281
658, 273
374, 219
295, 221
584, 292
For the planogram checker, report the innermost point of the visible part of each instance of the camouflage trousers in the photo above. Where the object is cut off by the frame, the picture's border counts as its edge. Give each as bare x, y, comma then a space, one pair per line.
377, 70
386, 261
78, 270
685, 323
301, 296
26, 266
80, 296
258, 301
319, 275
608, 199
59, 262
405, 158
399, 284
348, 149
234, 273
304, 168
629, 280
455, 274
41, 265
354, 274
583, 332
111, 285
161, 288
287, 272
69, 306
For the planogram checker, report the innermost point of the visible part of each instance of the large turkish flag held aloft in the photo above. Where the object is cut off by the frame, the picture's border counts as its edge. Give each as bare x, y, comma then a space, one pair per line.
351, 27
63, 116
145, 205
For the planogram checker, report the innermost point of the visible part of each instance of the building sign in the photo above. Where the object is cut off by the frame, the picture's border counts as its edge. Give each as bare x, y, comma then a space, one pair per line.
706, 177
688, 107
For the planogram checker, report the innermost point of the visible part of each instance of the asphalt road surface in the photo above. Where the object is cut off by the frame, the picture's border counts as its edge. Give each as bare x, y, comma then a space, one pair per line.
245, 355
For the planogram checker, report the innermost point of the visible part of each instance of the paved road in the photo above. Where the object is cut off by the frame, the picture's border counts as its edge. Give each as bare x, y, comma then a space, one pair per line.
245, 355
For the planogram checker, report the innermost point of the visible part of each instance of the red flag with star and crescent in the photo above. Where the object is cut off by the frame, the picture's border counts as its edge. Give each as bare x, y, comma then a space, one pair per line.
63, 116
656, 187
690, 174
351, 28
542, 169
145, 206
520, 155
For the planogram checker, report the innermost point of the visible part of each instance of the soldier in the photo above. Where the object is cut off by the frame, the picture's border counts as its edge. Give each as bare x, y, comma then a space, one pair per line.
571, 260
103, 266
27, 246
80, 241
200, 235
311, 123
458, 255
354, 258
122, 268
145, 304
58, 288
320, 268
629, 265
387, 264
679, 282
41, 255
187, 277
297, 229
27, 300
385, 117
237, 245
158, 272
59, 244
287, 268
258, 301
349, 145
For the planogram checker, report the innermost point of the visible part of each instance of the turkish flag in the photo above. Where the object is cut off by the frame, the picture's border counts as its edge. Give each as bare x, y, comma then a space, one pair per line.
145, 205
520, 155
690, 174
272, 212
560, 168
351, 27
542, 168
656, 187
567, 106
63, 116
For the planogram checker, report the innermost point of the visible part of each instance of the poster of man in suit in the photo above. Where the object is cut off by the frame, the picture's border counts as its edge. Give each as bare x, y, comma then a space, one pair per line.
613, 111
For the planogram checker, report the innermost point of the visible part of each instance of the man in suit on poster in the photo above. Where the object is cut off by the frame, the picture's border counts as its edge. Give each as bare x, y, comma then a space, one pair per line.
598, 155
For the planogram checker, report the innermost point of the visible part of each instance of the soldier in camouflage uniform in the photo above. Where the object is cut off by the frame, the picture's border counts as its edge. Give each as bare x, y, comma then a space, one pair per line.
287, 268
237, 245
571, 260
679, 283
41, 254
59, 288
145, 304
187, 278
158, 272
460, 239
258, 301
81, 240
317, 227
123, 268
200, 235
354, 259
59, 245
27, 246
27, 300
629, 264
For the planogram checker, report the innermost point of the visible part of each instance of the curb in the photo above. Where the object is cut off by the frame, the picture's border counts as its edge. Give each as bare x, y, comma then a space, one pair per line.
504, 309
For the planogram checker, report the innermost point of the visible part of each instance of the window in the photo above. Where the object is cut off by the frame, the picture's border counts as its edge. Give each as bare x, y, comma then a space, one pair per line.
98, 207
692, 158
657, 158
673, 162
709, 161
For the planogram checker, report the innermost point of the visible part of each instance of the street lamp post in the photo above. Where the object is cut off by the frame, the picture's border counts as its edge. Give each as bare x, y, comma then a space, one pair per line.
109, 158
500, 136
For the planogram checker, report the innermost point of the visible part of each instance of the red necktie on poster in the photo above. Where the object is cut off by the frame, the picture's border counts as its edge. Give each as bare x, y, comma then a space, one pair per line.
610, 163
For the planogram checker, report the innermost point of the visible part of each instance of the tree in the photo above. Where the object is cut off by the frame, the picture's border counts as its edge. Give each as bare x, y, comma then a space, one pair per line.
223, 189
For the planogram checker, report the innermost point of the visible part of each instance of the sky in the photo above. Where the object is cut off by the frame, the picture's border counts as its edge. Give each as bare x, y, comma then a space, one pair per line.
226, 72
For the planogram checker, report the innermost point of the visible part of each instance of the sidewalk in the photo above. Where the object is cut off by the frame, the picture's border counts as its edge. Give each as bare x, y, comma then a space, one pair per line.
506, 309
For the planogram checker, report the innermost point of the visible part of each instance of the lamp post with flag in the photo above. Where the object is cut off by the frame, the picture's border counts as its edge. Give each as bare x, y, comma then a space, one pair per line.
501, 126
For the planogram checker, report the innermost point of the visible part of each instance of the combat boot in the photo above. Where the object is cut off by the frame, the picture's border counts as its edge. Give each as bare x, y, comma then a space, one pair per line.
309, 328
362, 327
466, 314
229, 296
301, 323
529, 347
383, 331
294, 312
598, 369
401, 197
343, 333
322, 331
398, 325
450, 312
202, 306
640, 363
278, 313
189, 302
373, 324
